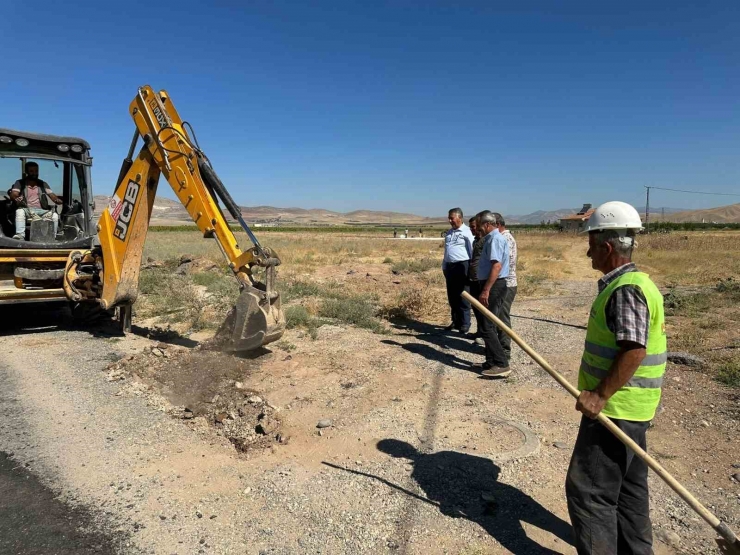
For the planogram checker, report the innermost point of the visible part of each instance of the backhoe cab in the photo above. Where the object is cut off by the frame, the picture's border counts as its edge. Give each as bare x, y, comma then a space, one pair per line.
32, 266
59, 256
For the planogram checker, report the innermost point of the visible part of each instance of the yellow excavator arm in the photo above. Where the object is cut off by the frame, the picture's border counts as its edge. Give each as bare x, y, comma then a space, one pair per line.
109, 273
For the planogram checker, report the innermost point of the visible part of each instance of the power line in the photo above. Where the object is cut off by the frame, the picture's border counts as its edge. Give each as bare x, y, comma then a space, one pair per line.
647, 200
694, 192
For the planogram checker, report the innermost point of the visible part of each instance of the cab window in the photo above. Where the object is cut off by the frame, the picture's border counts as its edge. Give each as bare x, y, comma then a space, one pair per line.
10, 172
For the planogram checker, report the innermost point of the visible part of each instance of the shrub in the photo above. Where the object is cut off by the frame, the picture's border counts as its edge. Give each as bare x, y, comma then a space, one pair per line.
532, 283
729, 285
298, 290
297, 316
411, 304
358, 311
729, 373
689, 304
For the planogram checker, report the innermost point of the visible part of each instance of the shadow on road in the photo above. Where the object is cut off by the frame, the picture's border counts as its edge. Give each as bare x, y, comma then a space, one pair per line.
164, 336
436, 335
34, 318
467, 486
430, 353
545, 320
48, 317
435, 343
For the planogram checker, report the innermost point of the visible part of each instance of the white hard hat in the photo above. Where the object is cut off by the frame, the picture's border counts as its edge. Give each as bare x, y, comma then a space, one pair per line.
614, 215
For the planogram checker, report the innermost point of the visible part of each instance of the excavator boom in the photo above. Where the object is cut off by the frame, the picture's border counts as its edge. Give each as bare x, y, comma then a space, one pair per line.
109, 274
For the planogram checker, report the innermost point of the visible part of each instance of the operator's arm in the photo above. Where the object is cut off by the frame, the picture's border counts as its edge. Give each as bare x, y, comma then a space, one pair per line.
628, 318
55, 199
15, 191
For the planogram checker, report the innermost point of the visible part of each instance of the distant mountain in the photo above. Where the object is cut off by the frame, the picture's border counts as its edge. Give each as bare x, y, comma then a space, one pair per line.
541, 216
721, 214
660, 210
554, 215
171, 212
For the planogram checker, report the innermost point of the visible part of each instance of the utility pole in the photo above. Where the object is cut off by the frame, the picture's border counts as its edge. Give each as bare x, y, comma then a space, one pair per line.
647, 211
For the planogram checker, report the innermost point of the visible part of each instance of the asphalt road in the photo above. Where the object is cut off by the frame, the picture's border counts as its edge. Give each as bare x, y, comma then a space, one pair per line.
34, 522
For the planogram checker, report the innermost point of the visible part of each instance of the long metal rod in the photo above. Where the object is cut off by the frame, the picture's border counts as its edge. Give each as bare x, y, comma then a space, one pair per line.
721, 528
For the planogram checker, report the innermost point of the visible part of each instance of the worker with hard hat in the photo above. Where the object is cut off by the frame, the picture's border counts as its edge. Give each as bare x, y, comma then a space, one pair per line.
620, 376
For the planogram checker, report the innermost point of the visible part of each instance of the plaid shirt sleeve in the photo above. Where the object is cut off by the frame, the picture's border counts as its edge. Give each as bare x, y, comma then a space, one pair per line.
627, 315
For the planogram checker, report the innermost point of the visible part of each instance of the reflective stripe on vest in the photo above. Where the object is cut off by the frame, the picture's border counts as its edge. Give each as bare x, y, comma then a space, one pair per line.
633, 382
639, 397
611, 354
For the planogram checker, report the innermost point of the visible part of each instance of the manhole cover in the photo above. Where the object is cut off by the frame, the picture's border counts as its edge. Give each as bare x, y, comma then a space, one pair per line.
500, 440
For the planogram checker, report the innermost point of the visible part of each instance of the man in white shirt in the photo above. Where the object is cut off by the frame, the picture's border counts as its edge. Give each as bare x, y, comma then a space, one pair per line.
458, 252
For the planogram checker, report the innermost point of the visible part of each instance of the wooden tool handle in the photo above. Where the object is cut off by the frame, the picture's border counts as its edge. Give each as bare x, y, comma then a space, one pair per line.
711, 519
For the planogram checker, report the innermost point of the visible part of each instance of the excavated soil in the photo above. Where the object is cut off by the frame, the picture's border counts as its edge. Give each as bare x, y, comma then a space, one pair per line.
206, 390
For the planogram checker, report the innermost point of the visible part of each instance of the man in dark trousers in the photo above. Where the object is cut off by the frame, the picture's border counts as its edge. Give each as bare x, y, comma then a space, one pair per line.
458, 251
511, 283
473, 275
620, 377
493, 268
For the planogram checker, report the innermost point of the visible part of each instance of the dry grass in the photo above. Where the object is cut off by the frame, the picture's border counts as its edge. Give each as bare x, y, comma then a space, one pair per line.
414, 304
695, 258
706, 323
317, 287
544, 257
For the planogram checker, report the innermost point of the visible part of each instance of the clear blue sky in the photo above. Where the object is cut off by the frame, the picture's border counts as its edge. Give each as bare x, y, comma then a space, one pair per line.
404, 106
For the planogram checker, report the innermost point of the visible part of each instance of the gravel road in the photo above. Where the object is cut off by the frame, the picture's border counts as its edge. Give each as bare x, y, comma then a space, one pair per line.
415, 460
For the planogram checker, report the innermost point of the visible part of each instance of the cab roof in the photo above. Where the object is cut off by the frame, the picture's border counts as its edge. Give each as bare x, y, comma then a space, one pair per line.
48, 138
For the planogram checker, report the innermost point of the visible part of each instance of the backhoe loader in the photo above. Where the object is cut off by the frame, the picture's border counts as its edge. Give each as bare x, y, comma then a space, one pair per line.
98, 269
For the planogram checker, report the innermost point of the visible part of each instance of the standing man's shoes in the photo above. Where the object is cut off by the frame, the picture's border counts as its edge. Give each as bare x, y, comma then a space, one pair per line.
497, 372
450, 327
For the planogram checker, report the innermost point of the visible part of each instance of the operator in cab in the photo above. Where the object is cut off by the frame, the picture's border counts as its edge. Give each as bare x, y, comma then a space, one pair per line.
30, 193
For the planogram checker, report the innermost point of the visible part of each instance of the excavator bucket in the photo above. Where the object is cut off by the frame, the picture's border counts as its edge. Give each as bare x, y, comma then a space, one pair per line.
256, 319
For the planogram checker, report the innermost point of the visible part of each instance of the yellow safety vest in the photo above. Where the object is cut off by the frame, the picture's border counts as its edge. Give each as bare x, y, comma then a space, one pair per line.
638, 399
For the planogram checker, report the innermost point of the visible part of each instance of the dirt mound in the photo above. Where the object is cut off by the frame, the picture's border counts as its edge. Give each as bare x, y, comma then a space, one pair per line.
205, 389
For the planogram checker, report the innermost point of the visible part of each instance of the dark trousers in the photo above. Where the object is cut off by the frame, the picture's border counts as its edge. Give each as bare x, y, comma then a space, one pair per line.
456, 276
607, 491
506, 319
495, 355
475, 291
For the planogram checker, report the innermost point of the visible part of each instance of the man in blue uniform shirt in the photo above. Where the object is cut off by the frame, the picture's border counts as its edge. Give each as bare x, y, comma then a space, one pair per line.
458, 251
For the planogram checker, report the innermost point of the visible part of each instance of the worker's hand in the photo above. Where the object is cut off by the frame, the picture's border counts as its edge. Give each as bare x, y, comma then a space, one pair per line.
484, 297
590, 403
